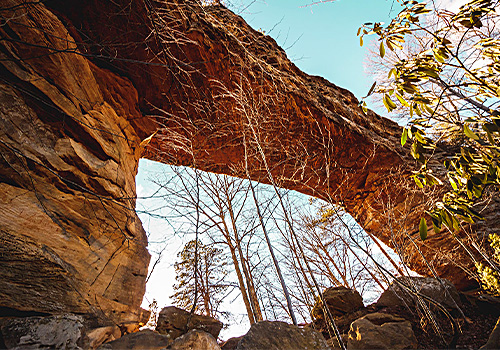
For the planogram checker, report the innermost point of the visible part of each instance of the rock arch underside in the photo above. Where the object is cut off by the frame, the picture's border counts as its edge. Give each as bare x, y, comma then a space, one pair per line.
89, 87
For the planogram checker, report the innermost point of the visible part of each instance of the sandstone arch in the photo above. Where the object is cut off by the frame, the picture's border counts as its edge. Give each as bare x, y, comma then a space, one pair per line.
84, 83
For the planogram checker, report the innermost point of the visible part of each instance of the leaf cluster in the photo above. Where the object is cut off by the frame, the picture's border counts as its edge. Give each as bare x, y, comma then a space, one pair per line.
452, 84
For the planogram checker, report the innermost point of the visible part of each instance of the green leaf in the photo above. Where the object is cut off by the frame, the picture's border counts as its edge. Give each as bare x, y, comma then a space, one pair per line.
490, 127
492, 170
436, 222
420, 138
391, 72
476, 180
456, 224
439, 58
446, 218
453, 183
470, 187
388, 103
470, 133
477, 191
371, 89
402, 100
382, 49
418, 182
422, 228
490, 138
432, 180
390, 44
416, 152
404, 136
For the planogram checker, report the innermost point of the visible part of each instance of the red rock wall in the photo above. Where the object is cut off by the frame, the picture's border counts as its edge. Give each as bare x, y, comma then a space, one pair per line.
85, 82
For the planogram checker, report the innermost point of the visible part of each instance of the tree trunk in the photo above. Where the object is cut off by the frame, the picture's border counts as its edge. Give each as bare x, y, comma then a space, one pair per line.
243, 289
250, 286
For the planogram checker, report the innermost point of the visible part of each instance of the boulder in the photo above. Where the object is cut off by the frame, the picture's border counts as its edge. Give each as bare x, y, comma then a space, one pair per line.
281, 336
51, 332
334, 344
231, 343
444, 293
494, 339
175, 322
195, 340
143, 340
103, 335
381, 331
127, 328
343, 322
340, 300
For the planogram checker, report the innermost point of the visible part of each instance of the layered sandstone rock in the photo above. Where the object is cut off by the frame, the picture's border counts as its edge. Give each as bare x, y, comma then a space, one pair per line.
143, 340
340, 300
281, 336
441, 291
35, 333
175, 322
381, 331
88, 87
71, 241
195, 340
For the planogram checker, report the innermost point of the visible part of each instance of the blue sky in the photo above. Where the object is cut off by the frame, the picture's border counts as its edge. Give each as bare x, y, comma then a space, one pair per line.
320, 40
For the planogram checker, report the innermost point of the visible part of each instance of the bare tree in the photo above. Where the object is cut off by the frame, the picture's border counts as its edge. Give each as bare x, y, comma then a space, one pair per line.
223, 219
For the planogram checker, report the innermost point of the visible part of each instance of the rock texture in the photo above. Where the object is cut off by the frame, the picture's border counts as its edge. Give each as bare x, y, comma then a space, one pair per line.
231, 343
340, 300
494, 339
98, 336
281, 336
333, 343
71, 240
441, 291
175, 322
54, 332
471, 331
381, 331
195, 340
143, 340
88, 87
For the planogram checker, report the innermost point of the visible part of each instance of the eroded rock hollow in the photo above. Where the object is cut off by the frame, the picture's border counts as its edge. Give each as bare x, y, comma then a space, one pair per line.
89, 87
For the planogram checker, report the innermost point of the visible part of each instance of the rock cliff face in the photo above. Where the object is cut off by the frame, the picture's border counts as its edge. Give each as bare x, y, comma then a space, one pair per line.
71, 240
88, 87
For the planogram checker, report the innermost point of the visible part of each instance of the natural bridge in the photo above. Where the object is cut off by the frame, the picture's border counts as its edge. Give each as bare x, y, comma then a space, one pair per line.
88, 87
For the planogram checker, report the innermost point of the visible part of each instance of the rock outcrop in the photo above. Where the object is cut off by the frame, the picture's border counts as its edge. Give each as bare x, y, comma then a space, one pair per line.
101, 335
281, 336
175, 322
441, 291
71, 241
53, 332
231, 343
195, 340
494, 338
471, 325
381, 331
340, 301
143, 340
88, 87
